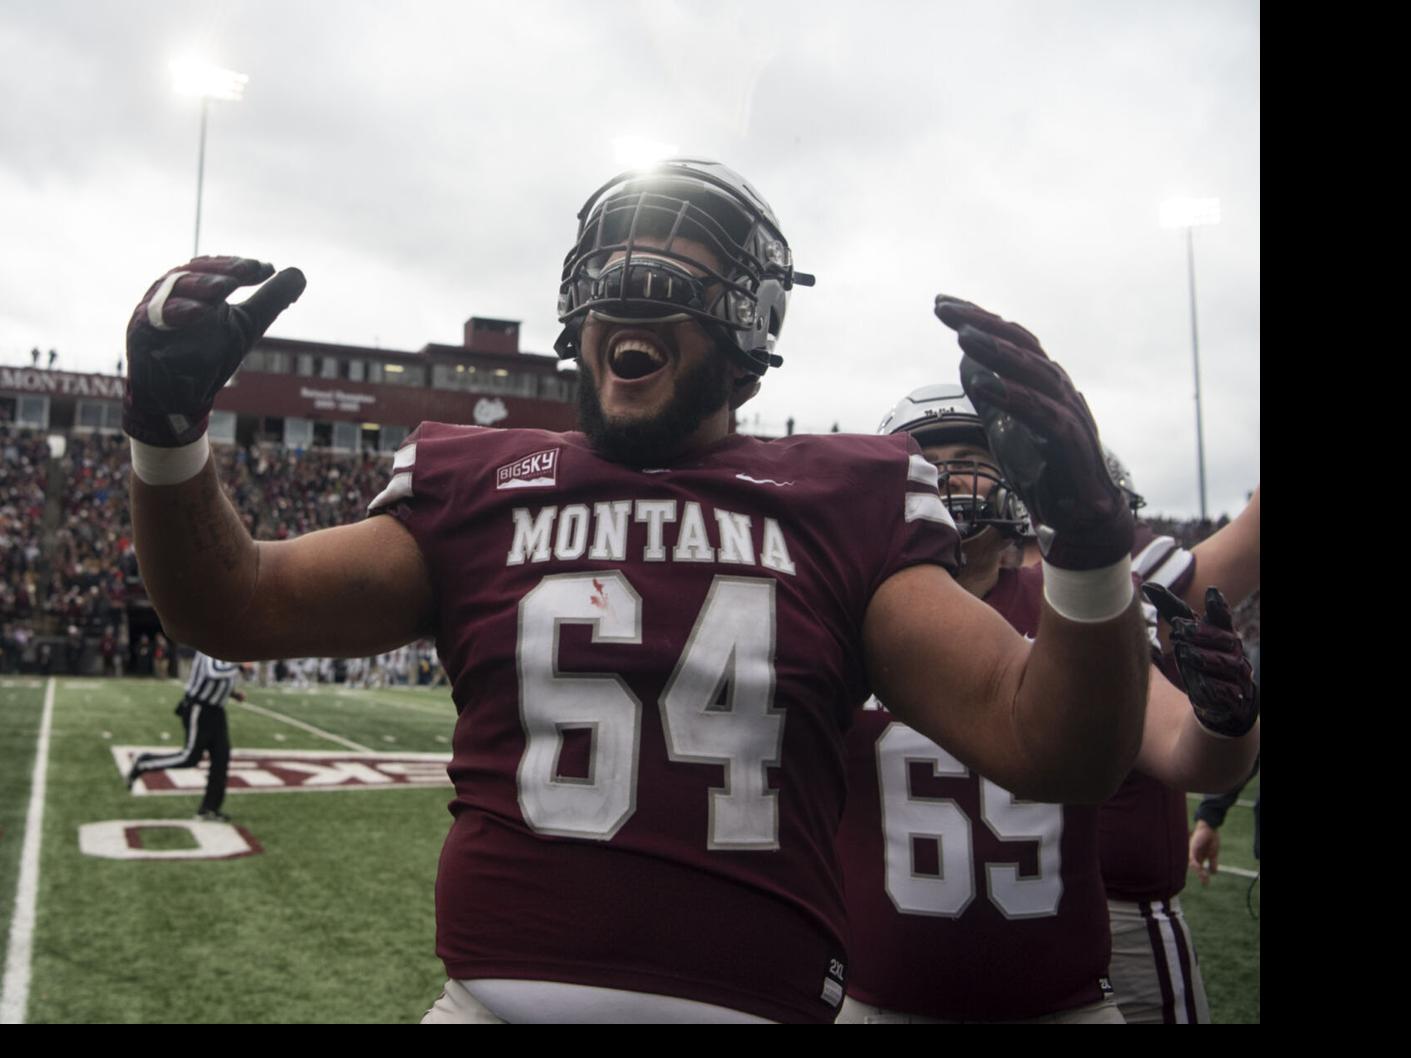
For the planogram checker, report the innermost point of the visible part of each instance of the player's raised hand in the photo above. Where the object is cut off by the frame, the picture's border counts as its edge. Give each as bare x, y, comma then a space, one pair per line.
1044, 437
1218, 677
184, 342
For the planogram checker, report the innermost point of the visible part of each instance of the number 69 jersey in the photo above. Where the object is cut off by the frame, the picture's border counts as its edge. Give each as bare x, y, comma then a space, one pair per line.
653, 670
964, 903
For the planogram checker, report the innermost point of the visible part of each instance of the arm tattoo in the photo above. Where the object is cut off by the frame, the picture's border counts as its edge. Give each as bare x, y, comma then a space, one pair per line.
213, 527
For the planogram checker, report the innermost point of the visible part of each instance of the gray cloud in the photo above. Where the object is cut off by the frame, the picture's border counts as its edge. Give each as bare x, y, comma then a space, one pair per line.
426, 162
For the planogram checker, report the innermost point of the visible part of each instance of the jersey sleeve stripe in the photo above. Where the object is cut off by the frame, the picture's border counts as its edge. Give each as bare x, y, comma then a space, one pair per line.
919, 470
1170, 569
405, 458
399, 488
927, 506
1152, 556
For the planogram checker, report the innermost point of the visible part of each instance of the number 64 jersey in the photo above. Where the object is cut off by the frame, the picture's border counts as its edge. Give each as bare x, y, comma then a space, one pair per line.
653, 670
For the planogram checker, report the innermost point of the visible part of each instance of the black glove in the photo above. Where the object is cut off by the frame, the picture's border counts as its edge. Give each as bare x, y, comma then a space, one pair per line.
1044, 437
1217, 675
184, 342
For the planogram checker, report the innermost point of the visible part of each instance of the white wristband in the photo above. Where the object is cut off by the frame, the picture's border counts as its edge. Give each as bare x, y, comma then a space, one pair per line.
169, 466
1089, 595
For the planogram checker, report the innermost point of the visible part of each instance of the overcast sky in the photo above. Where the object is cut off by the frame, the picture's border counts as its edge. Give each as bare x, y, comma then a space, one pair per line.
422, 162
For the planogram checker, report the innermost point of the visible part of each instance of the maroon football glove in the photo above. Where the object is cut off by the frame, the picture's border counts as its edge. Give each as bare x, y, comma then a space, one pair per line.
1217, 675
184, 342
1043, 436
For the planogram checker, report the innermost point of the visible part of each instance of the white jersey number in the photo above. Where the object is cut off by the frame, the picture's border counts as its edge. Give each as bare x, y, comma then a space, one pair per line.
718, 708
907, 817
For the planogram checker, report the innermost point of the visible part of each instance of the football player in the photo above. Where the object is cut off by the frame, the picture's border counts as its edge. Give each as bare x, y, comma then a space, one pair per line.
965, 902
1143, 837
657, 631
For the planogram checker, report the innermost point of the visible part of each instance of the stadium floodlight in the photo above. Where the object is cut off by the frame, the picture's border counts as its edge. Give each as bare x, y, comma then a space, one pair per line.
195, 77
1189, 214
638, 152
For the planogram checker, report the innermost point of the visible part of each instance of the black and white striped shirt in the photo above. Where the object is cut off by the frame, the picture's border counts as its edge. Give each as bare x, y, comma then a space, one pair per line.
211, 681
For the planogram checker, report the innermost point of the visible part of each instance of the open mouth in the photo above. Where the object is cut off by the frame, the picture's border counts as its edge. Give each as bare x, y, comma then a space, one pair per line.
634, 356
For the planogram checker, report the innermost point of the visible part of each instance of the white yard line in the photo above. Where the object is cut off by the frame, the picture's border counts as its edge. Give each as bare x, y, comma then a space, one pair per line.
1238, 871
349, 743
14, 991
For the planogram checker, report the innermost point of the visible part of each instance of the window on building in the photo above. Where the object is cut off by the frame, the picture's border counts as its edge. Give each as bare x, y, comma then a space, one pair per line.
374, 371
277, 363
89, 415
404, 374
345, 436
306, 365
32, 412
502, 380
392, 437
298, 433
222, 427
556, 387
329, 367
356, 370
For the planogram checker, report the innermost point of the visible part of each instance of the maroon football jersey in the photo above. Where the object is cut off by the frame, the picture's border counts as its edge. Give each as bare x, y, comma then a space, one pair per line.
653, 670
1143, 835
963, 902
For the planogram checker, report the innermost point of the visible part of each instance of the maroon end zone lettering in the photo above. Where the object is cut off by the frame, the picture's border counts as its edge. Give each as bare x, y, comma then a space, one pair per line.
273, 771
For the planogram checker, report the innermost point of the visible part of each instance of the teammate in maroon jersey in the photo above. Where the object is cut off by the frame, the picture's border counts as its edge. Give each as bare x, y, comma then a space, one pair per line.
1143, 835
964, 902
657, 631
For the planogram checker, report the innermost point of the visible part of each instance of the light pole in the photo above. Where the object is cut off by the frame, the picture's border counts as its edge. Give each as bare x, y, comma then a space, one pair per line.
192, 77
1192, 213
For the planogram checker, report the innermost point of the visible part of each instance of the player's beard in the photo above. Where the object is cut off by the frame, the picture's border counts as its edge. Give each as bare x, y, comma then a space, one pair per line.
700, 391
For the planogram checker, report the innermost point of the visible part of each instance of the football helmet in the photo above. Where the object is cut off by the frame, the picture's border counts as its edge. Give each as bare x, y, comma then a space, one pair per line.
943, 414
611, 274
1122, 478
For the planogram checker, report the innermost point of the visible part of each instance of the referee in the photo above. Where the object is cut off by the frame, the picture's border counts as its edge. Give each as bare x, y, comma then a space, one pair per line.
202, 712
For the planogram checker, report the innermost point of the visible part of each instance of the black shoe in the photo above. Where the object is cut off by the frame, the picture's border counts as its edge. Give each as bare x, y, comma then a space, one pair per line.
213, 815
133, 773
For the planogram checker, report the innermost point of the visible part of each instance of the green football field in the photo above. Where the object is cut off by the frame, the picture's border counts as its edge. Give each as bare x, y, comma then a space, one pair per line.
316, 905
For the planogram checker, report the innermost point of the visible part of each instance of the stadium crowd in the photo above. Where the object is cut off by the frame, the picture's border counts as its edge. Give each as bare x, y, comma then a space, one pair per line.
64, 599
64, 607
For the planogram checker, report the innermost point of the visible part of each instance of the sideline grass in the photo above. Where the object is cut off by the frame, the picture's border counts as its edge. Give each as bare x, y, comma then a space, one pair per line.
1226, 937
332, 922
21, 704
